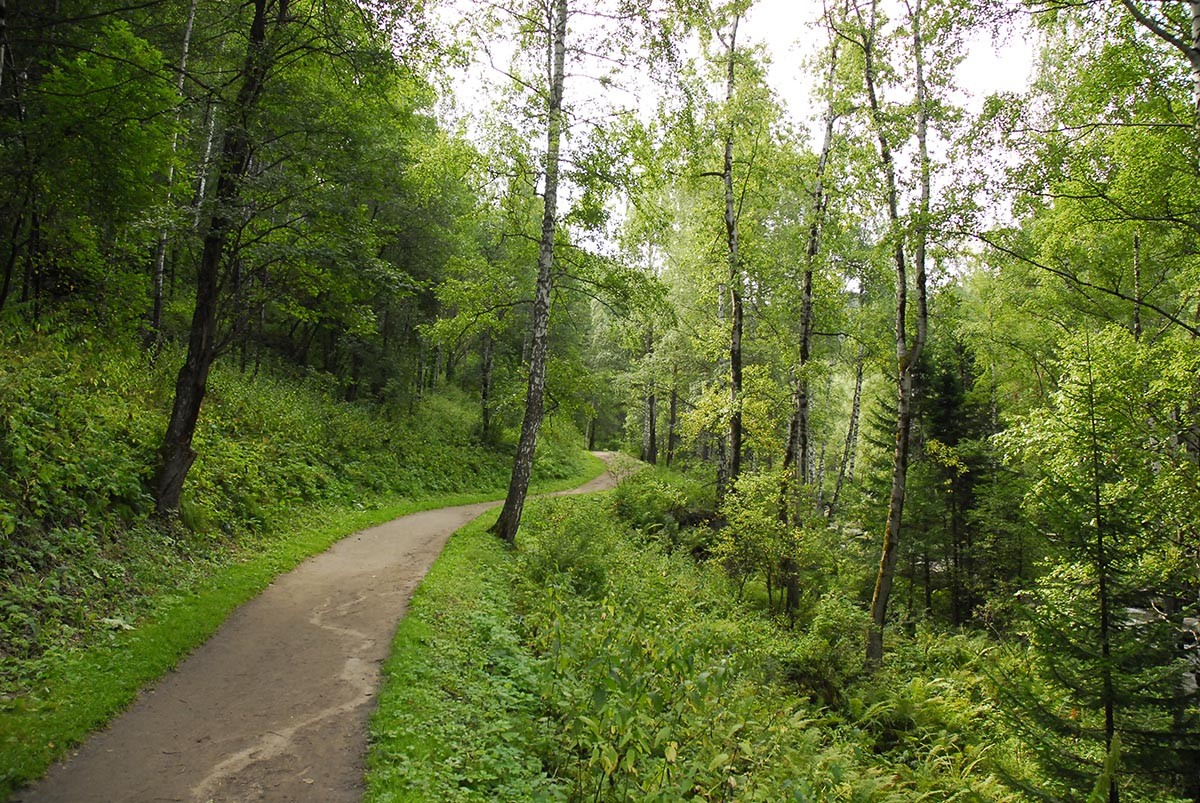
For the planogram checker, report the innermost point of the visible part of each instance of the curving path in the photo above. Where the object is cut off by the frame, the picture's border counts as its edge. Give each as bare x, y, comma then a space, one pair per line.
274, 706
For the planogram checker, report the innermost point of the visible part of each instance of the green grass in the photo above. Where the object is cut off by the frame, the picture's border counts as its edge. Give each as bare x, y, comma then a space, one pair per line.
445, 706
85, 689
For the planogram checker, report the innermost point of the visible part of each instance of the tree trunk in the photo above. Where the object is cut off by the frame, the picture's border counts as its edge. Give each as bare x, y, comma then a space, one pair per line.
906, 355
649, 428
1137, 287
10, 261
5, 51
485, 386
7, 84
819, 478
846, 468
799, 447
1103, 567
734, 466
672, 414
176, 454
650, 410
210, 144
510, 516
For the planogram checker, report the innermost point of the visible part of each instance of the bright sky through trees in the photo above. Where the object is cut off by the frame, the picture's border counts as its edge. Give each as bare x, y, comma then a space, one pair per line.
993, 63
990, 65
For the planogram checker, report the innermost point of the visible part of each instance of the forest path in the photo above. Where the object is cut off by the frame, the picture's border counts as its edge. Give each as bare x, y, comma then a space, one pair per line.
275, 705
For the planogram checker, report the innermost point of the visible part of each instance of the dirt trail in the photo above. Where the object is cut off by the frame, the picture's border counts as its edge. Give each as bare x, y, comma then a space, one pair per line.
275, 705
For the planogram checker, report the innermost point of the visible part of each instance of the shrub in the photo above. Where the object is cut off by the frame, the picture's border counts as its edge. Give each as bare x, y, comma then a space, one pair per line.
668, 506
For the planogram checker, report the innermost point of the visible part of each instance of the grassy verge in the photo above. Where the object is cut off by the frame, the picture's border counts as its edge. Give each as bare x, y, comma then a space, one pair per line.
86, 688
455, 689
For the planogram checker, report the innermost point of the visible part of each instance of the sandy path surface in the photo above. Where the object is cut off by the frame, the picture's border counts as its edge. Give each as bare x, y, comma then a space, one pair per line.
275, 705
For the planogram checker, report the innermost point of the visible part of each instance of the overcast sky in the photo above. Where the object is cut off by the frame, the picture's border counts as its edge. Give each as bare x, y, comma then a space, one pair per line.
787, 27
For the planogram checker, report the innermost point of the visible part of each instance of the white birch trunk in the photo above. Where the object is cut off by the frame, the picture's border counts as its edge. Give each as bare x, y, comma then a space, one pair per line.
518, 487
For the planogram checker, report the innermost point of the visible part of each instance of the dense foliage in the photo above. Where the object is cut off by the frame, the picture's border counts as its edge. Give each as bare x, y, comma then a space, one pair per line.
925, 373
599, 664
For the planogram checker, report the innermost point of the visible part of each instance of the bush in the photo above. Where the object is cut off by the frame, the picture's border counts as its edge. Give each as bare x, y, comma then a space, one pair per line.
563, 551
510, 684
827, 654
670, 507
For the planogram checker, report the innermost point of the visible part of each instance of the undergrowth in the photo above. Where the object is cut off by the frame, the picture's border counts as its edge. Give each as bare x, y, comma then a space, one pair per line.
600, 661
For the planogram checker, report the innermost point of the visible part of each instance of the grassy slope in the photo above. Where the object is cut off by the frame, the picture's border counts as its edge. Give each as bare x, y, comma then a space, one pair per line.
95, 602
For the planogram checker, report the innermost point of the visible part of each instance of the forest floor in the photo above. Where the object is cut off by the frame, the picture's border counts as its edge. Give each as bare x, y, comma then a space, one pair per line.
275, 705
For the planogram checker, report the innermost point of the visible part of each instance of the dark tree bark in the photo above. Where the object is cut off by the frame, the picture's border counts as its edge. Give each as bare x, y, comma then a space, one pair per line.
1137, 286
7, 77
650, 410
176, 454
510, 516
672, 415
485, 385
734, 464
651, 435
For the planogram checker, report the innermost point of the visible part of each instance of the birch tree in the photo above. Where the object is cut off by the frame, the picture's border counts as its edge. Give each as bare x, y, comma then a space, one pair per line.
554, 20
907, 238
567, 40
798, 454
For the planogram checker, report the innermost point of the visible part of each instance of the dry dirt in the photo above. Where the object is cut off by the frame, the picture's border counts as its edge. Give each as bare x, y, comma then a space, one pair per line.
274, 706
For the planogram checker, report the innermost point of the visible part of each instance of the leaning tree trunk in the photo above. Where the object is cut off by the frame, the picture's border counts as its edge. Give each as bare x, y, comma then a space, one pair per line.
906, 355
176, 454
518, 486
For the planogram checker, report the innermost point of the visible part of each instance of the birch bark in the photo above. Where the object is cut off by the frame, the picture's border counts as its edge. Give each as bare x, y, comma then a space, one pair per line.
514, 503
735, 272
